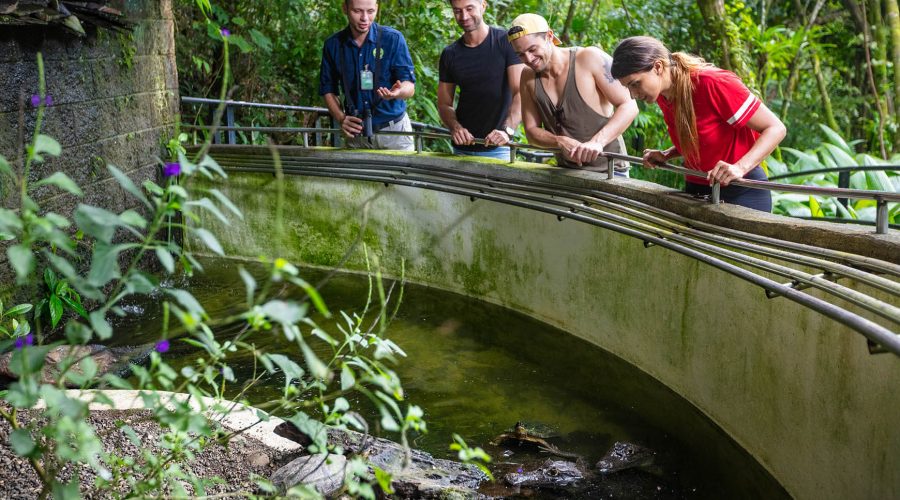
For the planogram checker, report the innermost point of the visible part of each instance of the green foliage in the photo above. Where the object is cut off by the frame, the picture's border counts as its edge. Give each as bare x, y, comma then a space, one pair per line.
59, 297
833, 152
101, 266
468, 455
13, 322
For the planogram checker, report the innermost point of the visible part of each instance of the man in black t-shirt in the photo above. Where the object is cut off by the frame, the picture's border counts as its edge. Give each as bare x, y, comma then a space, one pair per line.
486, 69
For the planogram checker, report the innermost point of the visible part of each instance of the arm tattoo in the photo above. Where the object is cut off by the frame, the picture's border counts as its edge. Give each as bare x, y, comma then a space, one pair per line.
607, 71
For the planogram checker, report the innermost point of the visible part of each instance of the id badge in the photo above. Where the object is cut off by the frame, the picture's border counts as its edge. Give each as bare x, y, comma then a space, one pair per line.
366, 81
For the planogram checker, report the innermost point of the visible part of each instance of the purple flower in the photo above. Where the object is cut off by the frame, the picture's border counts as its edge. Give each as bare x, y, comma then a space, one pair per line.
172, 169
24, 341
162, 346
225, 32
48, 101
35, 101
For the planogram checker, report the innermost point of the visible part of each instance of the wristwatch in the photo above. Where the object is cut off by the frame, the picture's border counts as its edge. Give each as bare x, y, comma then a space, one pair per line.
511, 132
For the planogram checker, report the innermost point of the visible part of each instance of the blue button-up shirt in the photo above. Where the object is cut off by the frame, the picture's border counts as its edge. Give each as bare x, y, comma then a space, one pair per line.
341, 55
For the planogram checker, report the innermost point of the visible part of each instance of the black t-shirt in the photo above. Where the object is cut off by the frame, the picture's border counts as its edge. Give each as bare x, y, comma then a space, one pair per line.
480, 74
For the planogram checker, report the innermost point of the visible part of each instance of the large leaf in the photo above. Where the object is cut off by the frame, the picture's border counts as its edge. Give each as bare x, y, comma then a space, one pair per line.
165, 258
212, 208
100, 325
45, 144
187, 300
210, 241
105, 264
291, 370
879, 181
22, 443
22, 260
128, 185
209, 163
132, 218
4, 167
97, 222
56, 310
228, 204
249, 283
841, 157
9, 221
61, 181
836, 139
286, 313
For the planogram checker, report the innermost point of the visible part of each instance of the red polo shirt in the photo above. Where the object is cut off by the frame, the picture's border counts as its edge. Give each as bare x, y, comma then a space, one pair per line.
723, 105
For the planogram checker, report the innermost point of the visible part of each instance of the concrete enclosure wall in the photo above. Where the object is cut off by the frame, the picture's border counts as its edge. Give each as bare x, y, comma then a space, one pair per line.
799, 391
115, 100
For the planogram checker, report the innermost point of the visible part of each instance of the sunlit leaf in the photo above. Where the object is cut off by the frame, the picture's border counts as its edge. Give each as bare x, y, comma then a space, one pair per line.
22, 260
292, 371
61, 181
835, 139
46, 145
165, 258
128, 185
227, 203
210, 241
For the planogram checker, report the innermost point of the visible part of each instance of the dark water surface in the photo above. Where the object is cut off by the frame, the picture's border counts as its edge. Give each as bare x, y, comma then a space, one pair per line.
476, 368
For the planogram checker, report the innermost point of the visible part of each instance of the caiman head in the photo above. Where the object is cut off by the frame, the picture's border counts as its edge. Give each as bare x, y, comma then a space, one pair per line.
625, 456
552, 473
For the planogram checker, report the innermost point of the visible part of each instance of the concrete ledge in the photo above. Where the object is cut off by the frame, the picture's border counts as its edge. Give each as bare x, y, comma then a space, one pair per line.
797, 390
840, 237
232, 416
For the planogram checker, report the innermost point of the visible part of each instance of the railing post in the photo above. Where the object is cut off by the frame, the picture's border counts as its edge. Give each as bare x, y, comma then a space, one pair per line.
229, 121
881, 216
419, 145
305, 139
843, 183
512, 154
716, 193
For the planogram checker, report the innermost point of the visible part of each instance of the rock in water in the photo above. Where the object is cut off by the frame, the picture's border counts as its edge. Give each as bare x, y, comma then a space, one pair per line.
324, 473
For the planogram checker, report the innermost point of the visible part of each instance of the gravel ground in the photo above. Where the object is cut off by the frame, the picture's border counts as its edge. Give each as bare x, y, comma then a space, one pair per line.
234, 464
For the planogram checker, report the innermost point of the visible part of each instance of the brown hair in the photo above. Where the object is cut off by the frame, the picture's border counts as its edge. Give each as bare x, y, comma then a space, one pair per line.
638, 54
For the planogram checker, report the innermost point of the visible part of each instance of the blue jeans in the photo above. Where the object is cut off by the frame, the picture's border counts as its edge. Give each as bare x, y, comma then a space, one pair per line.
500, 153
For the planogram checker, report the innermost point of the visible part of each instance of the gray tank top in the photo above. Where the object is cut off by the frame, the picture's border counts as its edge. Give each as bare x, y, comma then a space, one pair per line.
574, 118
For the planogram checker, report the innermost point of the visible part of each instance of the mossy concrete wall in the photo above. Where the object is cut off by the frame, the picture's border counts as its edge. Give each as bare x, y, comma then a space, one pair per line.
799, 391
115, 100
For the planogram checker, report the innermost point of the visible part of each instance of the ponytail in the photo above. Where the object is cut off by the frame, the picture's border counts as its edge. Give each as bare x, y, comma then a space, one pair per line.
682, 67
640, 53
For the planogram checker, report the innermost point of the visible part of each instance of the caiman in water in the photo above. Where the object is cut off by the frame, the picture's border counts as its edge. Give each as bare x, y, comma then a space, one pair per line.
624, 456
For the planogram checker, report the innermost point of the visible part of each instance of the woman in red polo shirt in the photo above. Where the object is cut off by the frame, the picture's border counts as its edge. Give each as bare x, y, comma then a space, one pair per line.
714, 121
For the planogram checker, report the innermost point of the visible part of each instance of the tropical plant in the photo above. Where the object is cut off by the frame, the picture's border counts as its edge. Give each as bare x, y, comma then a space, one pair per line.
833, 152
62, 436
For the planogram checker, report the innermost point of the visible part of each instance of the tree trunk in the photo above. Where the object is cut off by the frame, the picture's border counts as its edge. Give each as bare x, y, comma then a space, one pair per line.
713, 12
880, 37
893, 21
570, 16
823, 90
795, 64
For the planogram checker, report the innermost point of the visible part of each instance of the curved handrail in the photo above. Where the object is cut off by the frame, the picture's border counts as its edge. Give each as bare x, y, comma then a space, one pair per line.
712, 254
882, 198
830, 170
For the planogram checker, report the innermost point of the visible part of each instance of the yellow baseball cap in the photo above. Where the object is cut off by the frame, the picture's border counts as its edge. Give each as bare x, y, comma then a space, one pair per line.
528, 24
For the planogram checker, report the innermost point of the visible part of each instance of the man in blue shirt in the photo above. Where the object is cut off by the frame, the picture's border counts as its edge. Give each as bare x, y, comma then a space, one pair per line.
371, 65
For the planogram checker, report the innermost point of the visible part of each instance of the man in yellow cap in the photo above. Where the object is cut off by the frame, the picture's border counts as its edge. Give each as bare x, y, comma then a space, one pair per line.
569, 98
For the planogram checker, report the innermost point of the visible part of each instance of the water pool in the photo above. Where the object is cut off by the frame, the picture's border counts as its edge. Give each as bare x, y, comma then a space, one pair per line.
476, 369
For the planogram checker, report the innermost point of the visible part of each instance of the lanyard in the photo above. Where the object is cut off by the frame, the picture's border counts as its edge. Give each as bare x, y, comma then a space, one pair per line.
348, 103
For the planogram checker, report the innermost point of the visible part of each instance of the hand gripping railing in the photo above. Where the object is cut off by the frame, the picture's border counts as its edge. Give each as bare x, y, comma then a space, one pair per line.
425, 131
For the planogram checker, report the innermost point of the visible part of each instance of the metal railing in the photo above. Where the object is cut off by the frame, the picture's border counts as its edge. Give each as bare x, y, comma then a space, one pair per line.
755, 259
423, 131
